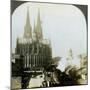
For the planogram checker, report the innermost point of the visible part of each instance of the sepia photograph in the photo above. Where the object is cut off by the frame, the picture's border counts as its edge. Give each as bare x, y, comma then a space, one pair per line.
48, 44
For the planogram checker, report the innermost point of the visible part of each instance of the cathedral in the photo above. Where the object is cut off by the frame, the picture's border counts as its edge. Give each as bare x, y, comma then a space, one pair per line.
35, 51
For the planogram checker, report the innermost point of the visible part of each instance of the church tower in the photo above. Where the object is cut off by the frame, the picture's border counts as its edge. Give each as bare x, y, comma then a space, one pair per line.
27, 28
38, 29
34, 32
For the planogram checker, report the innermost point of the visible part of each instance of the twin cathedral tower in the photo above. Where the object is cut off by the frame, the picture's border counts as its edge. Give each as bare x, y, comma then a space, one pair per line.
37, 30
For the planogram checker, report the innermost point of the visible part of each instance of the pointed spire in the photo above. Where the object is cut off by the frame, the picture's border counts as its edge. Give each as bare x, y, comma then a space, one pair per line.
39, 27
34, 32
27, 20
34, 28
28, 28
38, 17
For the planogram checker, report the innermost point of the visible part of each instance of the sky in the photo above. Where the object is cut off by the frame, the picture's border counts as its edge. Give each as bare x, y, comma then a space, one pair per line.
64, 25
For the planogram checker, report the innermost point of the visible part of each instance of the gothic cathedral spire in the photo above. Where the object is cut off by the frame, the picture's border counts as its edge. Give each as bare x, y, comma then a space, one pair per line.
34, 33
28, 28
39, 27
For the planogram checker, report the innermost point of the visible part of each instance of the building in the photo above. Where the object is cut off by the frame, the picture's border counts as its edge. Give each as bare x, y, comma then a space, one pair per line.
35, 51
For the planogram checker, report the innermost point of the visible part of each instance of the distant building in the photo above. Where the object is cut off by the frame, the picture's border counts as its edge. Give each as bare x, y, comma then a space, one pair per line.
35, 52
